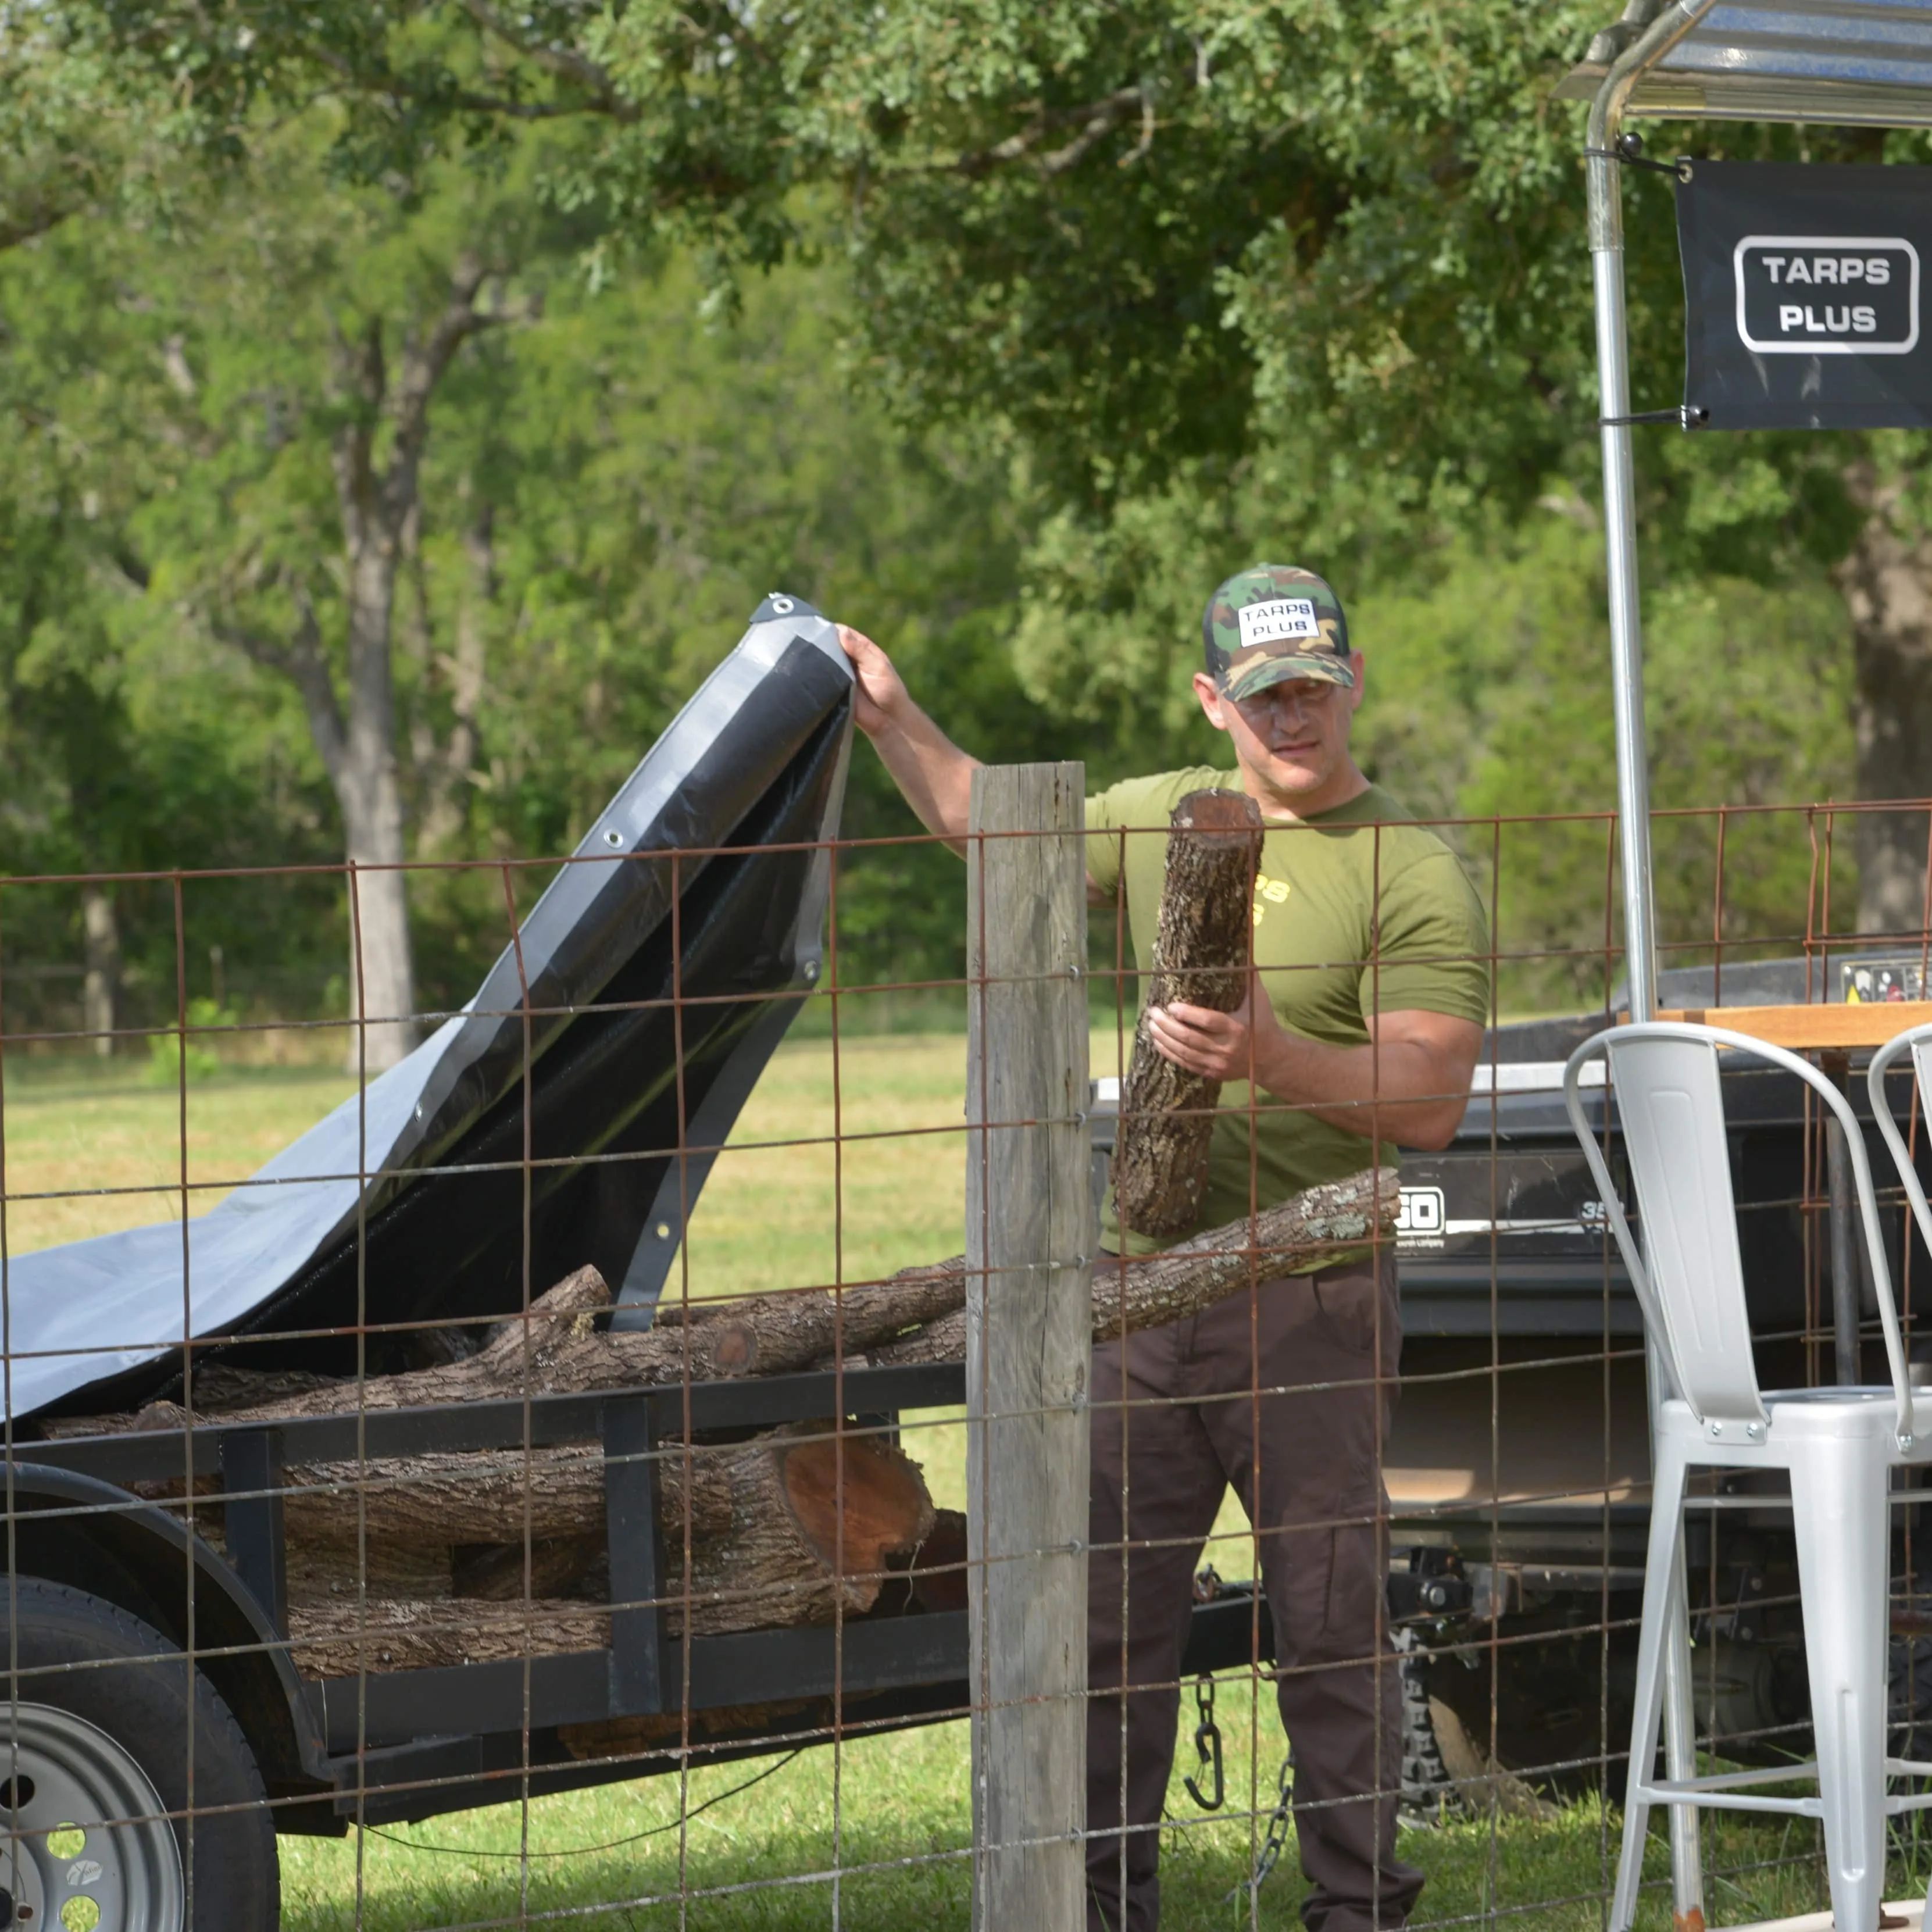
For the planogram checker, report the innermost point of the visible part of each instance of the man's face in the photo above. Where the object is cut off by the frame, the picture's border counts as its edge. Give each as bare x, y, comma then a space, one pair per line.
1293, 737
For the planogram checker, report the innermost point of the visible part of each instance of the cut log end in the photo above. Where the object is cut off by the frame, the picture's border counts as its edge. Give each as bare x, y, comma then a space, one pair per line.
1218, 817
857, 1502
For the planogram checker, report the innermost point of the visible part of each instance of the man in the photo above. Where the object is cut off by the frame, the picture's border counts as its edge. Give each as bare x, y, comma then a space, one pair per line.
1363, 1022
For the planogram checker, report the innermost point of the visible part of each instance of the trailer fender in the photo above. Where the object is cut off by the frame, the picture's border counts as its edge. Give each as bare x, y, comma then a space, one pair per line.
93, 1536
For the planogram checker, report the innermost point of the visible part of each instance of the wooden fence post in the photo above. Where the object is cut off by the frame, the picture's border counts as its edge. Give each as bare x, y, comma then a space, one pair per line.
1030, 1238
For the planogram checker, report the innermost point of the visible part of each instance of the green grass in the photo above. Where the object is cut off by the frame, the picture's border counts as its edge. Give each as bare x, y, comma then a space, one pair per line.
90, 1146
871, 1837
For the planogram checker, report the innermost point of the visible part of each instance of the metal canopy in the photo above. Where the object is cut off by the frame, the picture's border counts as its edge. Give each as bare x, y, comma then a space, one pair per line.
1852, 63
1831, 62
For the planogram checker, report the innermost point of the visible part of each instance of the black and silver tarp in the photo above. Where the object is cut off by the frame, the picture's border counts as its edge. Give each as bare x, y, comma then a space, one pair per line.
1803, 294
536, 1131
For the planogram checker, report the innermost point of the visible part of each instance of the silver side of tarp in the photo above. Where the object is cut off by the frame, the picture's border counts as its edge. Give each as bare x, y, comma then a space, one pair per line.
88, 1311
1846, 63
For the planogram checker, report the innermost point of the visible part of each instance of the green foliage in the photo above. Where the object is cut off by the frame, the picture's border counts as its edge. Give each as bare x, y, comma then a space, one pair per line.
1081, 310
1489, 696
191, 1054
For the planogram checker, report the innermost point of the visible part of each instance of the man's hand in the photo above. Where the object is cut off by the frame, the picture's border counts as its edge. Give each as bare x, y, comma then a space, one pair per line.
883, 699
935, 776
1410, 1084
1216, 1045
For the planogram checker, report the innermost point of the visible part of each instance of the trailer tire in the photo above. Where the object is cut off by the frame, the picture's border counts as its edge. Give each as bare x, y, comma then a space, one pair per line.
95, 1763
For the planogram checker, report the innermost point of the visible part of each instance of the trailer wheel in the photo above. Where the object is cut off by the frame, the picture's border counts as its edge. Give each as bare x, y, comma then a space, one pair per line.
93, 1780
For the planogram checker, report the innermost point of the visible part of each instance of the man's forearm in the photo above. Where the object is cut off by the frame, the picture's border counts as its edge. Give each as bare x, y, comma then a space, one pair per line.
934, 774
1394, 1090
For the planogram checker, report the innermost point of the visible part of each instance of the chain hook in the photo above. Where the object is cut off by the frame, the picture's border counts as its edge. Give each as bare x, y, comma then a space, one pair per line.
1207, 1748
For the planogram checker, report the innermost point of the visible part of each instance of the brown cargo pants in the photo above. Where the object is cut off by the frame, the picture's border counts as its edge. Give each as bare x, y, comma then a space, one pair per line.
1176, 1418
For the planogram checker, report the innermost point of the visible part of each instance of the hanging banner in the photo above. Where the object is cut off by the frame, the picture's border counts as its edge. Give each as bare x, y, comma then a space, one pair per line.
1804, 290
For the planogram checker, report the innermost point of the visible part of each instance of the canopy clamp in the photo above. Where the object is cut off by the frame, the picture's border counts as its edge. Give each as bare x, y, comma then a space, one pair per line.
1686, 415
1629, 150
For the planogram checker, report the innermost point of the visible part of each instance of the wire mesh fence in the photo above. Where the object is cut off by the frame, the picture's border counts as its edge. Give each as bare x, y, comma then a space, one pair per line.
572, 1474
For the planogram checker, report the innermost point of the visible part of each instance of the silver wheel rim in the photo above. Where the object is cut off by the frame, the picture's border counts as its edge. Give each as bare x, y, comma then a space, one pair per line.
87, 1846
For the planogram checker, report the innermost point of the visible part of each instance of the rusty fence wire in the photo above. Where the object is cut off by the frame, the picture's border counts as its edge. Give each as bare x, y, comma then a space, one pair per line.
514, 1464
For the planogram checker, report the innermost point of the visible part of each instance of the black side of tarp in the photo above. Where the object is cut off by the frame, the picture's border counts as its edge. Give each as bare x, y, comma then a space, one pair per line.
601, 913
606, 1102
663, 985
1803, 294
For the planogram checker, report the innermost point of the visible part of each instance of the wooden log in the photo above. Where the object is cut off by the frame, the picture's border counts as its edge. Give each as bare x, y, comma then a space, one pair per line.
1147, 1291
1202, 951
556, 1348
336, 1639
787, 1528
817, 1524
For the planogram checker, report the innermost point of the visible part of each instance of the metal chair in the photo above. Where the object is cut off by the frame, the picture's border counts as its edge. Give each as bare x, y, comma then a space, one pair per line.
1839, 1445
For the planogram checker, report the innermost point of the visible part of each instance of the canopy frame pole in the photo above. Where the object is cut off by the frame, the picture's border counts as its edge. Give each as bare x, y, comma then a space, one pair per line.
1607, 265
1605, 192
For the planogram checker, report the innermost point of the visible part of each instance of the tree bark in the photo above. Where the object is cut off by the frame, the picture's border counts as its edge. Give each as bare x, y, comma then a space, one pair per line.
556, 1349
450, 1557
447, 767
376, 500
1887, 582
1202, 951
1147, 1291
789, 1528
101, 987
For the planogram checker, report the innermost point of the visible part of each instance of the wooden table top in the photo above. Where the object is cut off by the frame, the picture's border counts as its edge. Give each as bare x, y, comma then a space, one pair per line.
1809, 1029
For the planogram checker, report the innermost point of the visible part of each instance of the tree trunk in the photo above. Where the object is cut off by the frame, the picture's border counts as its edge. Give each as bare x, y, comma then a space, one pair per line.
557, 1348
787, 1529
447, 1557
1202, 949
382, 977
100, 992
447, 768
377, 503
1150, 1291
1887, 582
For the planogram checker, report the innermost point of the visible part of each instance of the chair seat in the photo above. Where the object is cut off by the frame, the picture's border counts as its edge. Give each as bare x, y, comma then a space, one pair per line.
1794, 1415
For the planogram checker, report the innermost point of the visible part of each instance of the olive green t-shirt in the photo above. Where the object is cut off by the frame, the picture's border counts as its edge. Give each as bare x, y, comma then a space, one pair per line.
1357, 911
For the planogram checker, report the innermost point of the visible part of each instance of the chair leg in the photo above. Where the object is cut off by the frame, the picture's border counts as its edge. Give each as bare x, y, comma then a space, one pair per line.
1666, 1528
1838, 1511
1680, 1754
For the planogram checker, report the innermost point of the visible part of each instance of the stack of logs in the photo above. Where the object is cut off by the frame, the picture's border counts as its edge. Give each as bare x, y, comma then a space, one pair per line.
468, 1557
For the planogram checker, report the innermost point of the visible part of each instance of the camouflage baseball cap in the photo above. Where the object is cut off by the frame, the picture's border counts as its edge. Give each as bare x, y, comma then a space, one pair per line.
1273, 623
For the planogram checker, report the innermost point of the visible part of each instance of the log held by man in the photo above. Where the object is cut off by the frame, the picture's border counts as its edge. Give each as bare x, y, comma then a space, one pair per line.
1202, 951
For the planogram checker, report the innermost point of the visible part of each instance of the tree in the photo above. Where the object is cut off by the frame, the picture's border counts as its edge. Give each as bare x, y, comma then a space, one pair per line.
125, 750
1326, 258
312, 329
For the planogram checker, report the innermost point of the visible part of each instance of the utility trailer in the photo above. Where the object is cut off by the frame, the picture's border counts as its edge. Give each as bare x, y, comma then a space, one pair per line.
1517, 1472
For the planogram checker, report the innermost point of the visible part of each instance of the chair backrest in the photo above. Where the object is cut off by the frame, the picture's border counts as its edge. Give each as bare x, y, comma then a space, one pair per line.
1689, 1275
1917, 1041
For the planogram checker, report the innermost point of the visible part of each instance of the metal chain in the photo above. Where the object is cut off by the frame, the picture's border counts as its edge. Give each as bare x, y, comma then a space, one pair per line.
1276, 1841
